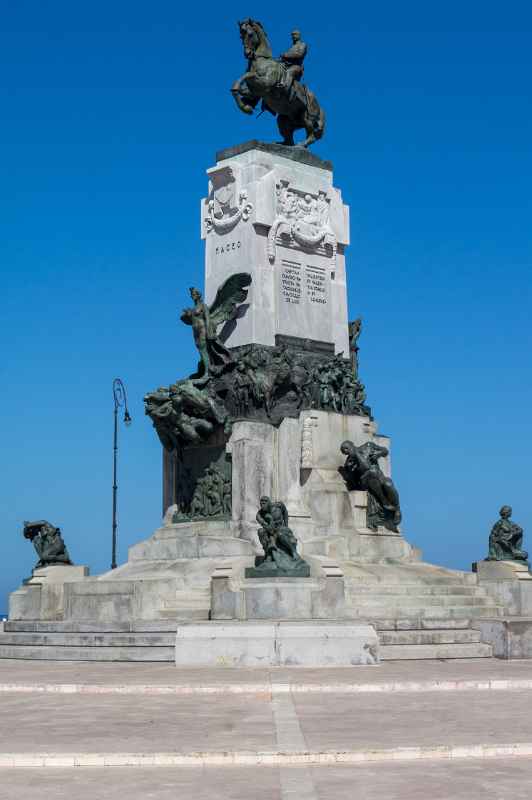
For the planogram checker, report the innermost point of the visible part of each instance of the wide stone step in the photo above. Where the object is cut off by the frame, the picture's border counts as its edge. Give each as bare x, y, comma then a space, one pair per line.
402, 578
416, 637
388, 611
89, 639
405, 600
416, 589
421, 623
52, 653
403, 652
58, 626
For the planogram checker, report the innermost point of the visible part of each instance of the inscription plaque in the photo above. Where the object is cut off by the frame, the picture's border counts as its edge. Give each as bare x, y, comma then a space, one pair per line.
291, 282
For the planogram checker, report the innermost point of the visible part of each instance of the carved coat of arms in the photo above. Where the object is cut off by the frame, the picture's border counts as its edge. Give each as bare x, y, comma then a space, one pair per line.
227, 203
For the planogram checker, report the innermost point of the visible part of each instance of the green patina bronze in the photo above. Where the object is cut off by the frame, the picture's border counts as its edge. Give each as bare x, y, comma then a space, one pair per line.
277, 83
48, 543
506, 539
361, 472
193, 417
280, 559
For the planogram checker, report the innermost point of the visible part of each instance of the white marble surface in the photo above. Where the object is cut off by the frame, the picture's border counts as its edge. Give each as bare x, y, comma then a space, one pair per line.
286, 224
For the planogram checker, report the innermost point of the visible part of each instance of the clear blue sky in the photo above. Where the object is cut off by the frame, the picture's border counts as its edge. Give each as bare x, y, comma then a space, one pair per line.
112, 112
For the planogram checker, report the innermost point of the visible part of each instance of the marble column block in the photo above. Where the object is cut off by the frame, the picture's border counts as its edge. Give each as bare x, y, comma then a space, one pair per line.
284, 222
252, 453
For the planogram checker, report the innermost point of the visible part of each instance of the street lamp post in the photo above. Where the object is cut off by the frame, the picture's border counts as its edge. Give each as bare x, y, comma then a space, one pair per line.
120, 400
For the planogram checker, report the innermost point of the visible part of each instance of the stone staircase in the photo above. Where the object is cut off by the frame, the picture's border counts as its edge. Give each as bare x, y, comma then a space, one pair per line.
68, 641
420, 611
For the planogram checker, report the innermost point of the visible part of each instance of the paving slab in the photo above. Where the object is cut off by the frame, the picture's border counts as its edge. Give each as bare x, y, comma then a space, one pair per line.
508, 779
255, 723
103, 724
366, 721
152, 674
151, 783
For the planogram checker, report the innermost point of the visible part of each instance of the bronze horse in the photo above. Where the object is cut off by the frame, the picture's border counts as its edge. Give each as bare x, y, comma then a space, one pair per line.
266, 79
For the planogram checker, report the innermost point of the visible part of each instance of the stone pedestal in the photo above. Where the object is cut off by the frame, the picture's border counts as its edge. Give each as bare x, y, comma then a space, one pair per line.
322, 596
42, 597
502, 571
509, 582
510, 637
278, 217
281, 644
252, 446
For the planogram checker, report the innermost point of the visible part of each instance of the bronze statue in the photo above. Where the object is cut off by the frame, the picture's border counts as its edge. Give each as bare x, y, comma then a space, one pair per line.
293, 59
277, 84
506, 539
355, 329
361, 471
205, 321
279, 544
48, 543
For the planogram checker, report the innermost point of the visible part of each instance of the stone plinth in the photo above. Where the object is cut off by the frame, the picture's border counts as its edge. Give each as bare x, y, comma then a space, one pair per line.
42, 597
510, 637
57, 573
283, 644
278, 216
502, 571
321, 596
509, 582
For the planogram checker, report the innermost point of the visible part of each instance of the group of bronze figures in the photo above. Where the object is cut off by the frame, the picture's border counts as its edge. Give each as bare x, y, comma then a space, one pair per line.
272, 383
255, 382
207, 497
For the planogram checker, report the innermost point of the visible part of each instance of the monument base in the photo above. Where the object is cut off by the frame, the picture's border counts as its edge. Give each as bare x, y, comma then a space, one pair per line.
510, 637
272, 571
280, 644
43, 596
509, 582
235, 596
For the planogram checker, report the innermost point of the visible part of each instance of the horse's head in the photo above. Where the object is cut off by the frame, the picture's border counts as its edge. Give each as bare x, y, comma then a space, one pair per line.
254, 39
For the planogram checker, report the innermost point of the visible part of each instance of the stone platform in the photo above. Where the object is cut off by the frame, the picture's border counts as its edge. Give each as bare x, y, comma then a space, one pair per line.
266, 644
193, 572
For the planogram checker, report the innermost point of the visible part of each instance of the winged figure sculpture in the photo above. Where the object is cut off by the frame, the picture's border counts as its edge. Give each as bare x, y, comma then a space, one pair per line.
205, 321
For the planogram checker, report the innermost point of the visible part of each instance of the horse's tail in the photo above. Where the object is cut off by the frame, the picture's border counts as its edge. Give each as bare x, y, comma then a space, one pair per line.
315, 113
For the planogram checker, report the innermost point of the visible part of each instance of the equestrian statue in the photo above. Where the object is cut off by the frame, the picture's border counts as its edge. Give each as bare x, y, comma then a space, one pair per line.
278, 84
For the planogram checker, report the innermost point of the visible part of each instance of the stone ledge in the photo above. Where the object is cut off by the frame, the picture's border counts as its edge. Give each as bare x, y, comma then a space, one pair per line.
296, 153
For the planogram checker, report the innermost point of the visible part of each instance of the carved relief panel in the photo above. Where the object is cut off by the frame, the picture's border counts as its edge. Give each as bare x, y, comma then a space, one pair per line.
302, 221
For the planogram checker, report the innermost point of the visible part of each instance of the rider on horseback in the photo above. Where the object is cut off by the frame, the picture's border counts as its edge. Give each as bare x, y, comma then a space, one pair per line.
292, 60
276, 84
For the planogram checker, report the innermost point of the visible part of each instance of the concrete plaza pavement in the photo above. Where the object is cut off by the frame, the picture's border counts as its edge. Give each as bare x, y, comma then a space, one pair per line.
444, 730
461, 780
